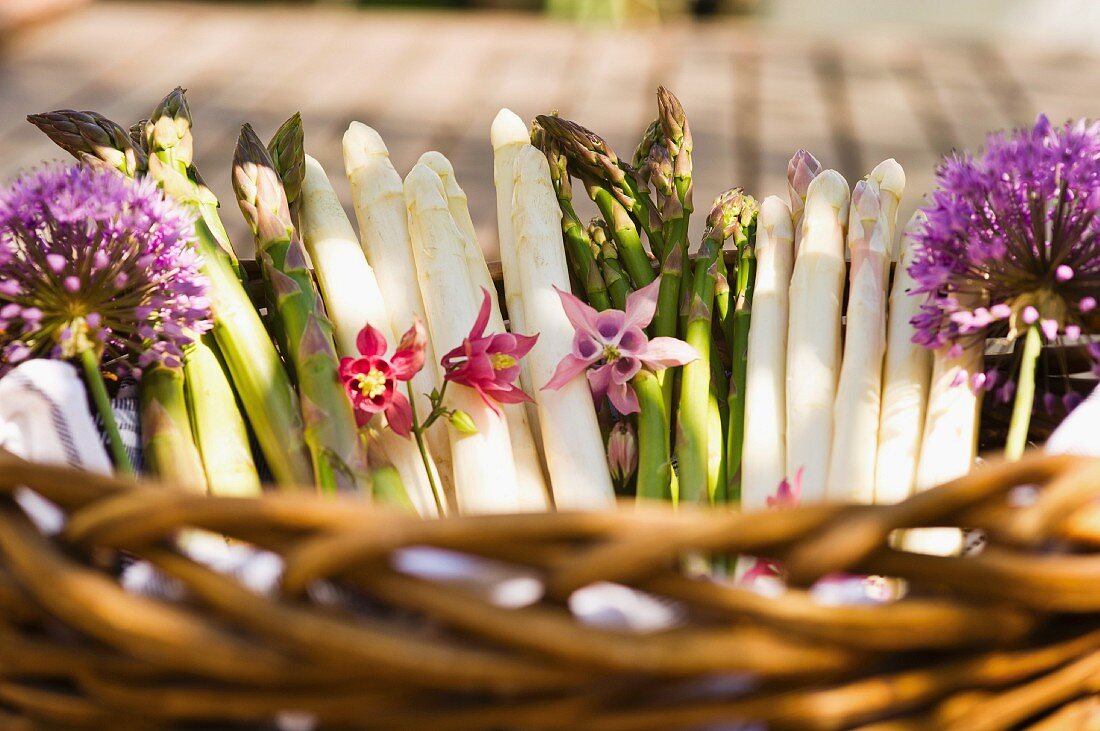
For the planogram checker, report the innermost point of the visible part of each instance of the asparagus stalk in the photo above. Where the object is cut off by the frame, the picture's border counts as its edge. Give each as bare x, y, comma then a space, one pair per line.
485, 472
353, 299
218, 428
905, 381
890, 178
168, 447
90, 135
379, 202
523, 433
613, 276
676, 135
666, 321
339, 459
739, 341
570, 431
858, 396
950, 440
654, 461
801, 170
763, 462
580, 250
692, 433
813, 334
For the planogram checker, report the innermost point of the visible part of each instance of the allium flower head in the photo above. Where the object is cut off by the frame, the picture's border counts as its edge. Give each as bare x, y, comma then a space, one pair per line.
91, 259
1012, 239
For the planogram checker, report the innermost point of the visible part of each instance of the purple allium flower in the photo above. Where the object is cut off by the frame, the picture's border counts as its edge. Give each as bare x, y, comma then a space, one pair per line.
91, 259
1012, 239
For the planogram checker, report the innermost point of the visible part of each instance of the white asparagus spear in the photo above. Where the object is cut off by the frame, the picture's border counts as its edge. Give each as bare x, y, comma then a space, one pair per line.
763, 464
950, 441
484, 470
905, 381
859, 391
813, 334
353, 299
379, 202
571, 434
525, 448
801, 170
508, 135
891, 183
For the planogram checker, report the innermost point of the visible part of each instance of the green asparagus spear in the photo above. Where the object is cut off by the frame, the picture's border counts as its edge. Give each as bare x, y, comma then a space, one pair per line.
654, 464
676, 138
331, 433
219, 430
608, 257
168, 446
745, 240
288, 151
692, 431
254, 366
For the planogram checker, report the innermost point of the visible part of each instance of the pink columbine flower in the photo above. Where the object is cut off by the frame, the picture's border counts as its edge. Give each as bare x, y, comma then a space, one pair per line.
622, 452
612, 346
489, 364
371, 381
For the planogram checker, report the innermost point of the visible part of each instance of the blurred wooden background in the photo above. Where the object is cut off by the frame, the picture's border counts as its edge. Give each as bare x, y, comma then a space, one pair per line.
755, 89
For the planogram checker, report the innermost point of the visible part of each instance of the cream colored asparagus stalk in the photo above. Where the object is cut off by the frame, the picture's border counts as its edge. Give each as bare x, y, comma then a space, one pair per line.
571, 433
379, 202
950, 441
905, 380
859, 391
801, 170
508, 135
534, 490
763, 460
890, 178
813, 334
484, 470
353, 299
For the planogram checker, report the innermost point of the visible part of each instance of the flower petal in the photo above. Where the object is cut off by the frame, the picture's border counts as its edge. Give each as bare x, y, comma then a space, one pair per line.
581, 316
641, 305
610, 325
623, 398
399, 415
624, 369
409, 358
599, 379
667, 352
568, 369
371, 342
524, 343
482, 315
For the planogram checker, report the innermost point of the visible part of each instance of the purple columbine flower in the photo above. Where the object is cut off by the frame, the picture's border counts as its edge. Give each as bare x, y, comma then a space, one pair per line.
1011, 241
614, 346
91, 260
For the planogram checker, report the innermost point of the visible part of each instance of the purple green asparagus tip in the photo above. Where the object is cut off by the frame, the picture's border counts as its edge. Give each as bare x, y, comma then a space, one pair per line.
651, 136
673, 121
169, 128
731, 215
802, 169
137, 134
91, 135
259, 189
288, 152
590, 157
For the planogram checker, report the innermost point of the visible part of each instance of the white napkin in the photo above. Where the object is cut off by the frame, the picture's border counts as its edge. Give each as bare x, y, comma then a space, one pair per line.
44, 417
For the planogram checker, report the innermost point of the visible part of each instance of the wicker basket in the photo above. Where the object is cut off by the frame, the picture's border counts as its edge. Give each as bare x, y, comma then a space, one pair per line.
1006, 638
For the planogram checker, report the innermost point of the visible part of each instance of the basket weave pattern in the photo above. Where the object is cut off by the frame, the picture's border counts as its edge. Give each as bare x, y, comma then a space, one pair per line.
1006, 638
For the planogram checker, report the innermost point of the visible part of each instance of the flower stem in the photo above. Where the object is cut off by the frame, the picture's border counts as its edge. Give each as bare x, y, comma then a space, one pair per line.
103, 403
1025, 396
418, 434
